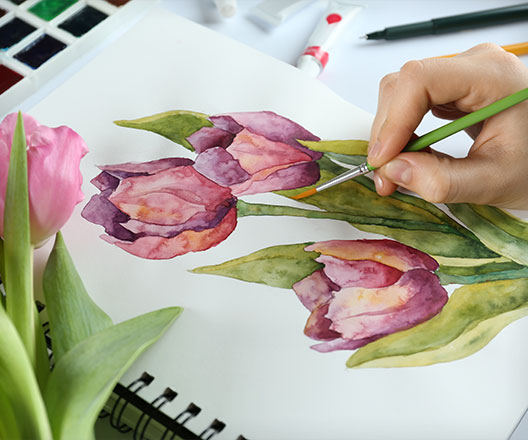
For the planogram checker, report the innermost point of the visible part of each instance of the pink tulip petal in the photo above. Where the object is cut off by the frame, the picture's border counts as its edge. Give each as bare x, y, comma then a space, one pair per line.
315, 290
290, 177
255, 152
157, 248
169, 197
359, 313
209, 137
219, 166
226, 123
113, 174
318, 326
101, 211
388, 252
198, 222
54, 179
361, 273
275, 128
342, 344
129, 169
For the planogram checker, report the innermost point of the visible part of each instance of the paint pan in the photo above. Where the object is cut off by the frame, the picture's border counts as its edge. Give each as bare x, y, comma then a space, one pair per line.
39, 39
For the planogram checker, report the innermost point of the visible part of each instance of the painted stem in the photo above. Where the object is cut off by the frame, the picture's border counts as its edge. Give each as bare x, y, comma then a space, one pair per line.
245, 209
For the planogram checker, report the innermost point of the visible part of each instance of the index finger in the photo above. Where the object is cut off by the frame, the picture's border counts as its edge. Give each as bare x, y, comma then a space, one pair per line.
426, 83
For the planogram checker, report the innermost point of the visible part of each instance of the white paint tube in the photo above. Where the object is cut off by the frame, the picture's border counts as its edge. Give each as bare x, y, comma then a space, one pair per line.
338, 14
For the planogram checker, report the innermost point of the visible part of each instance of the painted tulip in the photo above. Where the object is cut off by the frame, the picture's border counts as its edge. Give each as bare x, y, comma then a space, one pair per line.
54, 178
366, 290
161, 209
255, 152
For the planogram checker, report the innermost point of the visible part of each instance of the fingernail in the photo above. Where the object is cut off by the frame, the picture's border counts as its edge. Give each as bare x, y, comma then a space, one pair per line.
378, 181
374, 150
399, 171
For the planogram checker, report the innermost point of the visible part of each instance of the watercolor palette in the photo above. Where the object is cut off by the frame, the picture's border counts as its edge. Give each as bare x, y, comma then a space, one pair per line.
40, 38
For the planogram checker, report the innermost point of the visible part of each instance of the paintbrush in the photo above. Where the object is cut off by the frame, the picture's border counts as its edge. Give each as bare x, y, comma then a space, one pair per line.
428, 138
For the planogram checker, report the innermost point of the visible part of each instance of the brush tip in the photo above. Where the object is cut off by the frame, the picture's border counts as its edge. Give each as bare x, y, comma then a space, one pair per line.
305, 194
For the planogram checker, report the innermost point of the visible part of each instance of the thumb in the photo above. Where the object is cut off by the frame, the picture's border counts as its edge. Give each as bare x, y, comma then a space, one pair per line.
443, 179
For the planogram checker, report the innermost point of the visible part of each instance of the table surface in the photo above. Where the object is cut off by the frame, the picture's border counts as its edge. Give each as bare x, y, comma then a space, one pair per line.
356, 66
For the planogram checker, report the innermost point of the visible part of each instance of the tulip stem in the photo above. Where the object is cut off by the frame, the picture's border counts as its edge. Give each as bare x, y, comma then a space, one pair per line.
245, 209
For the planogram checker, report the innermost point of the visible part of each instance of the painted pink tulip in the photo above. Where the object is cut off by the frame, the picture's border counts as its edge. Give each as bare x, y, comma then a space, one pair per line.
255, 152
366, 290
54, 178
161, 209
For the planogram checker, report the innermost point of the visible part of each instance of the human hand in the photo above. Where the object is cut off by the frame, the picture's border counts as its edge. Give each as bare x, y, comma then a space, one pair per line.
496, 169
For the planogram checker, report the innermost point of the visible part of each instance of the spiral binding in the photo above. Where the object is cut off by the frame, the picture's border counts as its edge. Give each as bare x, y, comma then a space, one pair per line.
129, 397
151, 411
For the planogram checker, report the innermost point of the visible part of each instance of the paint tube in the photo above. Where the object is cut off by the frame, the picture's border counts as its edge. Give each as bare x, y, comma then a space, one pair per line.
337, 16
275, 12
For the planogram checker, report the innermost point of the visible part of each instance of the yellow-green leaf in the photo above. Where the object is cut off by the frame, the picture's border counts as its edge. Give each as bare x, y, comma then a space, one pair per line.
175, 125
498, 230
348, 147
18, 264
84, 377
276, 266
22, 411
73, 315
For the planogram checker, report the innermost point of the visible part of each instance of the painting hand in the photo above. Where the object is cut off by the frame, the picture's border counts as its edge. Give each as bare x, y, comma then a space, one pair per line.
495, 170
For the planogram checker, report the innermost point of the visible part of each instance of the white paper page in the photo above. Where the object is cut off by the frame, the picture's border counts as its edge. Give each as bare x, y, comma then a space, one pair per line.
238, 351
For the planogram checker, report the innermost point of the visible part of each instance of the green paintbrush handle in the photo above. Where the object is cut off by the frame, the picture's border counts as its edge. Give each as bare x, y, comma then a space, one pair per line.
464, 122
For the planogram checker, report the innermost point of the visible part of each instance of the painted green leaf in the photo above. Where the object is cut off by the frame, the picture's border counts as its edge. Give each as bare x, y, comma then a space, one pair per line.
84, 377
22, 410
473, 315
405, 218
18, 268
481, 273
347, 147
498, 230
175, 125
73, 315
276, 266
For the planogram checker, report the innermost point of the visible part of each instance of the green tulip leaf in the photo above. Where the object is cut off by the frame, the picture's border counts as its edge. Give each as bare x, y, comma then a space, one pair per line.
22, 410
405, 218
473, 315
478, 274
73, 315
498, 230
175, 125
348, 147
84, 377
18, 268
276, 266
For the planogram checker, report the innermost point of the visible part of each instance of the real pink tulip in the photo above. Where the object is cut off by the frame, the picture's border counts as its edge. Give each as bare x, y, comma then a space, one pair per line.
54, 178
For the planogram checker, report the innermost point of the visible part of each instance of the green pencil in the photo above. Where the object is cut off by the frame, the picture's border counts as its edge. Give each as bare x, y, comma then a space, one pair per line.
429, 138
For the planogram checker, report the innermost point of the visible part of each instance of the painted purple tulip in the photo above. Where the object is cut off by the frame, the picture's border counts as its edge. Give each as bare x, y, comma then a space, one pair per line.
255, 152
161, 209
54, 177
366, 290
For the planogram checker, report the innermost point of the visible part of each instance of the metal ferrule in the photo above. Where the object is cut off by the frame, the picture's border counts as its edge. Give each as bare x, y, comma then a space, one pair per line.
354, 172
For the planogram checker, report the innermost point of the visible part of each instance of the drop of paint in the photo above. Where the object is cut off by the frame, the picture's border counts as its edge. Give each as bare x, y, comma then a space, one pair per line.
333, 18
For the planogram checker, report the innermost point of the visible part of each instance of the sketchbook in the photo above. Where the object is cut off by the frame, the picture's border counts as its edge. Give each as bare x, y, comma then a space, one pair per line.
238, 351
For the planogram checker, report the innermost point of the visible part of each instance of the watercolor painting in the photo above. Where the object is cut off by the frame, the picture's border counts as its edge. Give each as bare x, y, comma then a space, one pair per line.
384, 299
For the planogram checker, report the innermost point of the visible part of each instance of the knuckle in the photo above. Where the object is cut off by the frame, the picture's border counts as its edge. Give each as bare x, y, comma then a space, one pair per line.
388, 81
439, 187
413, 68
487, 46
